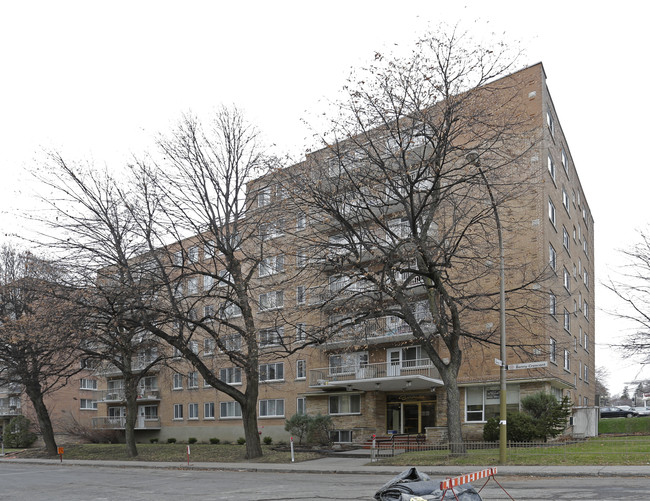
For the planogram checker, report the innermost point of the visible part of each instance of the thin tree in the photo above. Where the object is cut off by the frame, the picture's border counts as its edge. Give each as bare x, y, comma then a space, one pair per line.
404, 229
93, 232
38, 336
212, 244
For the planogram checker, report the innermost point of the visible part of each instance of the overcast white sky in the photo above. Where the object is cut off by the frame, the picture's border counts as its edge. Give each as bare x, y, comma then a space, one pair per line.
98, 80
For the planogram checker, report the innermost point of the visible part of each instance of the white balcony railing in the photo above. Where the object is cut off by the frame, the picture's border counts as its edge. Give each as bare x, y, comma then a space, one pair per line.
10, 411
383, 370
119, 423
118, 395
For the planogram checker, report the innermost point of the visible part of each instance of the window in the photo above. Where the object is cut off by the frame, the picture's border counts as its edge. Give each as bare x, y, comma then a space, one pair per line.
585, 278
193, 254
272, 336
575, 344
264, 197
551, 212
230, 375
482, 403
566, 280
225, 279
208, 282
208, 312
209, 249
345, 404
565, 162
301, 258
193, 411
341, 436
178, 411
177, 382
553, 351
550, 123
229, 310
193, 380
301, 221
552, 257
301, 369
585, 310
88, 384
301, 405
586, 342
269, 231
586, 374
301, 332
300, 294
178, 258
552, 304
208, 346
192, 286
272, 408
567, 361
272, 372
575, 272
229, 410
233, 342
565, 199
271, 300
565, 238
88, 404
194, 347
347, 363
208, 410
271, 265
584, 245
551, 167
567, 320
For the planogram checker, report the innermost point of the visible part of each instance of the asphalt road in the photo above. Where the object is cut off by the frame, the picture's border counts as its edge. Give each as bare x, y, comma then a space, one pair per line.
77, 483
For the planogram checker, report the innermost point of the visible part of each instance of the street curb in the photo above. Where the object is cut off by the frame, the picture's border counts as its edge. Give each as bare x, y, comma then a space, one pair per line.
445, 472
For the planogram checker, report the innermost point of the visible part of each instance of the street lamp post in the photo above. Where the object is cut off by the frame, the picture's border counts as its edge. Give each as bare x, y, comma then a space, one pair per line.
473, 158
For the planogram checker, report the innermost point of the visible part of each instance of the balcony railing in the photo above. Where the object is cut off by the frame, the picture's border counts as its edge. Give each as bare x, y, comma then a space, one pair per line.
378, 330
383, 370
119, 423
137, 364
10, 411
118, 395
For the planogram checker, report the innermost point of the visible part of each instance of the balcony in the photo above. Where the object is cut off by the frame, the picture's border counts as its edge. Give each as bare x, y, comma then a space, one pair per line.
11, 389
384, 376
119, 423
137, 365
379, 330
118, 395
10, 411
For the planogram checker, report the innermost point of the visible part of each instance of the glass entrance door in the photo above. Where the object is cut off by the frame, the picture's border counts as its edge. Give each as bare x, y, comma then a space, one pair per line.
410, 416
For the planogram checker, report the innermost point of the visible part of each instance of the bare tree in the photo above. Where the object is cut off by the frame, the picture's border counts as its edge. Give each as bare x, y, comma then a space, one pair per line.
93, 232
404, 230
38, 336
211, 243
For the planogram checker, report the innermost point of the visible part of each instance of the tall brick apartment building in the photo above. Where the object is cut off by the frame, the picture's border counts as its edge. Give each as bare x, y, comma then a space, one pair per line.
373, 376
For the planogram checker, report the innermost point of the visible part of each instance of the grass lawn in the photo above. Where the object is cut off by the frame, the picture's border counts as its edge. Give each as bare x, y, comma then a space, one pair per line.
173, 453
594, 451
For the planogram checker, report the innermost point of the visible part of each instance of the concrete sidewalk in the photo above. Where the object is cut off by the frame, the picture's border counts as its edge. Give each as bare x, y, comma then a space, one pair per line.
351, 465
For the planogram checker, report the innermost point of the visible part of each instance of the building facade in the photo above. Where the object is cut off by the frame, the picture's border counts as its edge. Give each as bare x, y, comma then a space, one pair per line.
374, 377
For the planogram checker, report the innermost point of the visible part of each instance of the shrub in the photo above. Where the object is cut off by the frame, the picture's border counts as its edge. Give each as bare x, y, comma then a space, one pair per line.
17, 433
319, 429
153, 440
214, 441
491, 430
521, 427
192, 440
241, 440
268, 440
171, 440
298, 426
550, 415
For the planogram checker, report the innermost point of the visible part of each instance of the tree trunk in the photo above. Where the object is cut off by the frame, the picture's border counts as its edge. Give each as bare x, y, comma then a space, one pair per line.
454, 427
249, 417
43, 416
131, 394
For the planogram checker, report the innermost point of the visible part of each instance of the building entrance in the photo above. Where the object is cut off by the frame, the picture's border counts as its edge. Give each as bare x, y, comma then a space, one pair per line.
410, 413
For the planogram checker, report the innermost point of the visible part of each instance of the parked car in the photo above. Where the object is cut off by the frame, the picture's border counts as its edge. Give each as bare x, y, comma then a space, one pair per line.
611, 412
642, 411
